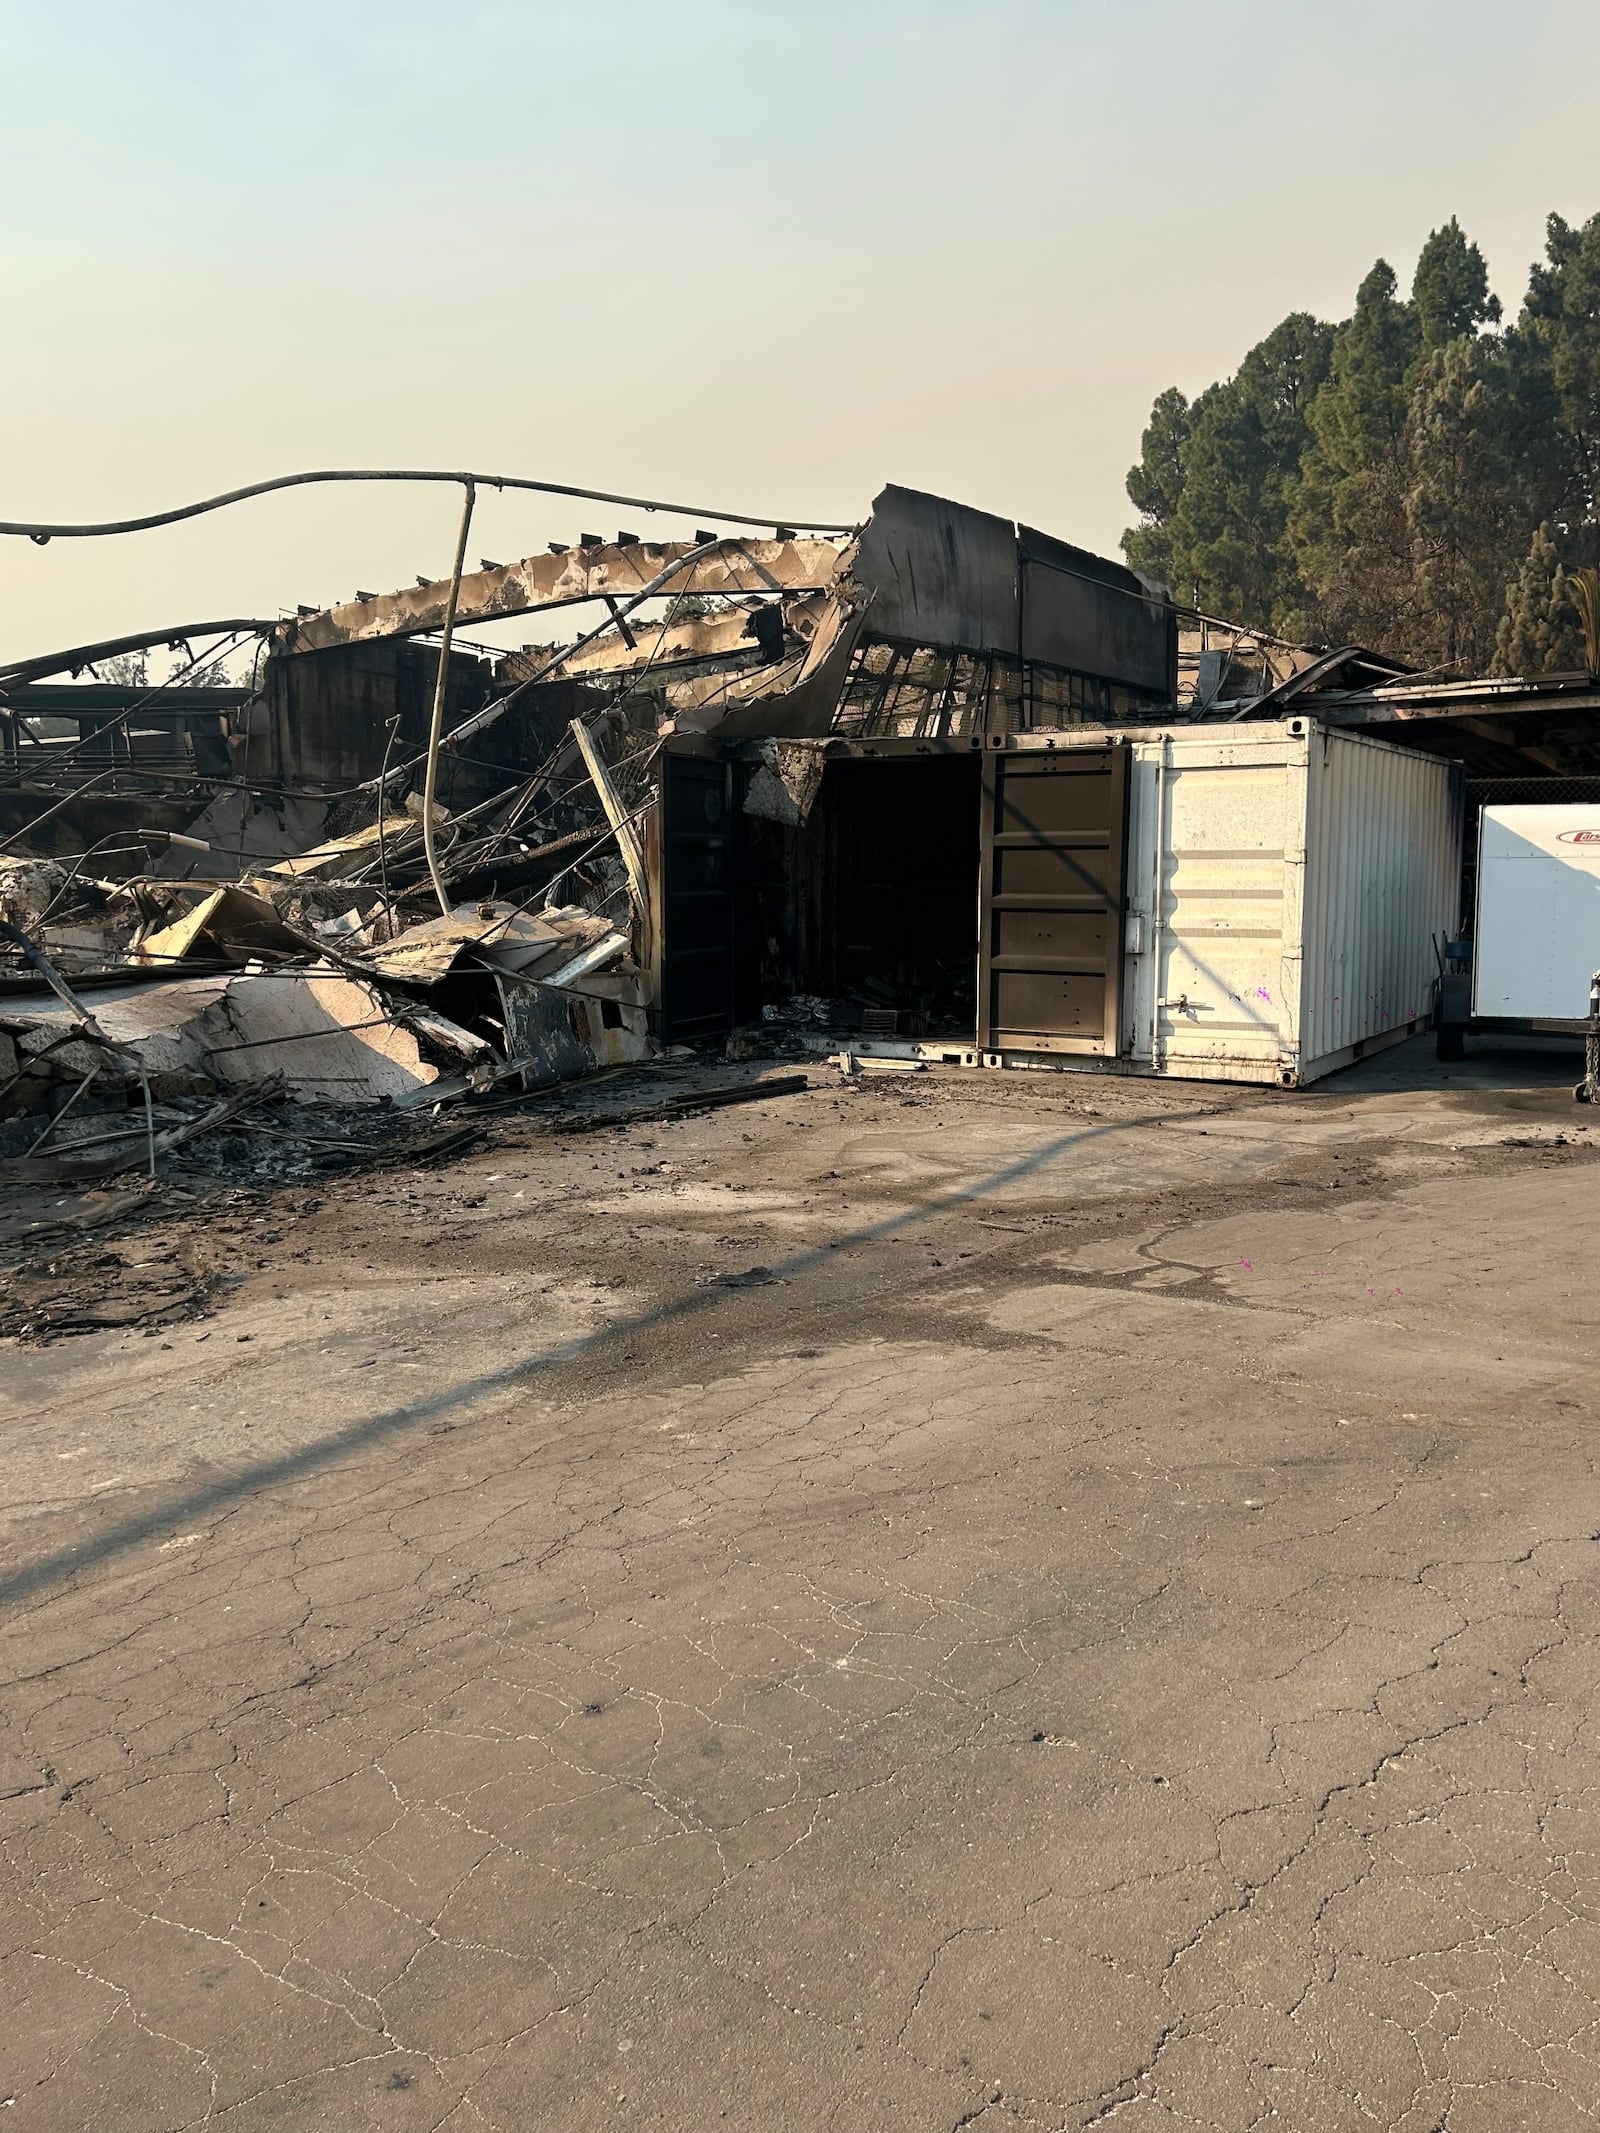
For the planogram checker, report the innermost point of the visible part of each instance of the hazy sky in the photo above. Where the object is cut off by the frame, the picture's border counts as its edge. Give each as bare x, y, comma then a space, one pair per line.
764, 256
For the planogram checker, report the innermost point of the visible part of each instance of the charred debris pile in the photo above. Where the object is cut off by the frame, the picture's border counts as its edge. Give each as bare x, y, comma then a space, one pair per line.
393, 869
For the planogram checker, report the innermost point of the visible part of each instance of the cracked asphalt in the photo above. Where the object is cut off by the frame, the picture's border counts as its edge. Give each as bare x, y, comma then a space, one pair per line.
969, 1598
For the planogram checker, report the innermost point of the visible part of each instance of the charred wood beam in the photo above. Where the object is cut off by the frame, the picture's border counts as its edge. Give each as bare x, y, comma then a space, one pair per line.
600, 572
1502, 732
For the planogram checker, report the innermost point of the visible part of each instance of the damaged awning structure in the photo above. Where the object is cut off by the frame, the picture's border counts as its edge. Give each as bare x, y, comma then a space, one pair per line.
1506, 732
236, 874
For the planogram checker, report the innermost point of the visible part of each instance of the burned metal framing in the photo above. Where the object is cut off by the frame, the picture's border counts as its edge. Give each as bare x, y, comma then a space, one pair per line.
124, 726
567, 577
918, 692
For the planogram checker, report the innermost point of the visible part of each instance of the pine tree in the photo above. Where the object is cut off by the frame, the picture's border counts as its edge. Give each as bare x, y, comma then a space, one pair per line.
1554, 354
1381, 483
1450, 288
1230, 535
1347, 520
1464, 509
1359, 418
1155, 486
1221, 551
1539, 632
1213, 479
1561, 322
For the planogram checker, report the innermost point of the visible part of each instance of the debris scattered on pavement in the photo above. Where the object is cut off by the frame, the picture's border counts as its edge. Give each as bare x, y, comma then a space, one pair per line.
689, 1101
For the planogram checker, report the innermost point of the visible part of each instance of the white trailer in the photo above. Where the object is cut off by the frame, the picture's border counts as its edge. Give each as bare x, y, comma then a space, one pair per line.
1535, 944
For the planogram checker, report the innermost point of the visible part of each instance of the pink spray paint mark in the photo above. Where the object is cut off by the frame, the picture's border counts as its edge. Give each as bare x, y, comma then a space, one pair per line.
1248, 1265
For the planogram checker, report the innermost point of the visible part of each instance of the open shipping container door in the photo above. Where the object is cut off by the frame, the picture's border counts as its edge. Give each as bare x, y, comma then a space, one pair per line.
1050, 944
695, 925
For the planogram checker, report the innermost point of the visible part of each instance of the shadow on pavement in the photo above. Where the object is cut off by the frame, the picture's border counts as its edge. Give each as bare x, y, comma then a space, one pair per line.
228, 1490
1494, 1065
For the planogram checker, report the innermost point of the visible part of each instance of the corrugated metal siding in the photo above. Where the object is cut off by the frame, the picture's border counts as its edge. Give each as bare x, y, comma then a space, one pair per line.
1383, 872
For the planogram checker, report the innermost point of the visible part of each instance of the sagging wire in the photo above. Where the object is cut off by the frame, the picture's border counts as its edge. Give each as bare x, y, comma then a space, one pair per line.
116, 851
492, 711
651, 590
476, 721
516, 814
383, 782
42, 531
538, 784
634, 682
328, 795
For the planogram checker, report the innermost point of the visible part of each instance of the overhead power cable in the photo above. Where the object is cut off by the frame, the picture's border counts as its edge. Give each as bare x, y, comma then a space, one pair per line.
41, 530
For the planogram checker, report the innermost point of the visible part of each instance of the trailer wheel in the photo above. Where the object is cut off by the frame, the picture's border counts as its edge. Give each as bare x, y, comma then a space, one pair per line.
1450, 1042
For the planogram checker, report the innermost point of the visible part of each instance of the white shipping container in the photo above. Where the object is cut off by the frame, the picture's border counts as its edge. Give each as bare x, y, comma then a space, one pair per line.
1285, 884
1245, 902
1537, 929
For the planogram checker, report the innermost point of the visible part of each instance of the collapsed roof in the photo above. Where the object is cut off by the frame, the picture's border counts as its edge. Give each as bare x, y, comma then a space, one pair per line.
931, 617
299, 791
922, 576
